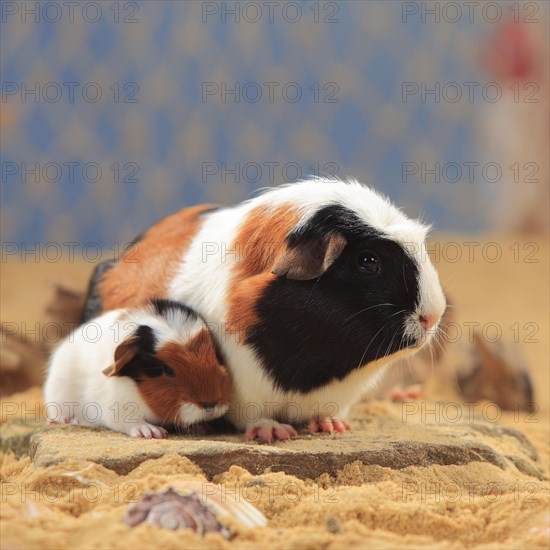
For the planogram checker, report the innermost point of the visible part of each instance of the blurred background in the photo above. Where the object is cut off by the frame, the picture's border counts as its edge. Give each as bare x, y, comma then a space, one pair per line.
117, 114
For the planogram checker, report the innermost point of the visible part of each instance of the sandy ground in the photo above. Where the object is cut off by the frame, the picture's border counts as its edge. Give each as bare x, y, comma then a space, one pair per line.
477, 505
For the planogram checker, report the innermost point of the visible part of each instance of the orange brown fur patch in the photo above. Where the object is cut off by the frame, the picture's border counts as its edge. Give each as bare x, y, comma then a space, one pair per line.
260, 241
146, 268
199, 378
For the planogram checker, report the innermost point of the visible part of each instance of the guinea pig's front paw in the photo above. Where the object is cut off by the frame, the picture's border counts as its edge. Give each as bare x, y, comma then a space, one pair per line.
148, 431
268, 430
328, 425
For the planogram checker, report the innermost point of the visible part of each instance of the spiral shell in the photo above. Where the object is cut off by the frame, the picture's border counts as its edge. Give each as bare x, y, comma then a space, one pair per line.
171, 510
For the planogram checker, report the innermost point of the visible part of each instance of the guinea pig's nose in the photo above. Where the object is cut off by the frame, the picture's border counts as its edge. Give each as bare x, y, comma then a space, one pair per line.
208, 406
428, 320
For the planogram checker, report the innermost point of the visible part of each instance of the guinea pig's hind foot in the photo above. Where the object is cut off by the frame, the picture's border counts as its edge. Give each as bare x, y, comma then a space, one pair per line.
268, 430
412, 393
328, 425
60, 420
148, 431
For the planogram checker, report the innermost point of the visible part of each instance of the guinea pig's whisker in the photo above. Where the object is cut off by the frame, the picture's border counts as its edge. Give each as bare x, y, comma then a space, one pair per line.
404, 278
449, 283
444, 351
412, 375
315, 284
401, 372
173, 410
440, 335
396, 333
454, 378
432, 357
367, 348
397, 313
388, 348
402, 364
180, 430
376, 355
401, 343
411, 370
367, 308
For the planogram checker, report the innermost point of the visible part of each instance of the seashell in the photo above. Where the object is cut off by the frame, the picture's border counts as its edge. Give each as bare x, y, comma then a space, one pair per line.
171, 515
85, 480
177, 514
185, 509
226, 503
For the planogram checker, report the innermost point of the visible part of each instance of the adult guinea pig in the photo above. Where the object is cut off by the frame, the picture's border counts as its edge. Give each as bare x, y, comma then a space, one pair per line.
136, 370
310, 289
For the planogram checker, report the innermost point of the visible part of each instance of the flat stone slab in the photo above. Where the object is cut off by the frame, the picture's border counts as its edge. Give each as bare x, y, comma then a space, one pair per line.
378, 441
15, 436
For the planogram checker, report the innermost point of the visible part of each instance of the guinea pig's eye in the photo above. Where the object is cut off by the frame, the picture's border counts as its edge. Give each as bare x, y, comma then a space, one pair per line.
369, 262
169, 371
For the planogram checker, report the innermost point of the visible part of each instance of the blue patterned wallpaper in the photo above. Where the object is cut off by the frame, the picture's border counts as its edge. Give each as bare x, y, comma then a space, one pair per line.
117, 114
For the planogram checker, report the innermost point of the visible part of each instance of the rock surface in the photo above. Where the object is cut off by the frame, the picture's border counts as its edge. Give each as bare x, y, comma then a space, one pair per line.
382, 441
15, 436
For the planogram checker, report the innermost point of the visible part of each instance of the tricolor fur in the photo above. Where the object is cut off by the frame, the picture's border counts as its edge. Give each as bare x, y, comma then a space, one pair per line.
277, 278
129, 368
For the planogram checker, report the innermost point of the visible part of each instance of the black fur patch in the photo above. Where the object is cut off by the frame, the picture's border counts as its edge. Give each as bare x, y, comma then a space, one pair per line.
312, 332
163, 307
144, 364
93, 305
146, 339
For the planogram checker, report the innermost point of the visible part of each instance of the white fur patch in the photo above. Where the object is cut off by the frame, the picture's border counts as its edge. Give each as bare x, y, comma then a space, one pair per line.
191, 414
76, 387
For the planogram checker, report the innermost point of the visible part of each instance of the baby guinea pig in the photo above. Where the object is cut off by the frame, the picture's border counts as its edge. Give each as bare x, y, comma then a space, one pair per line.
137, 370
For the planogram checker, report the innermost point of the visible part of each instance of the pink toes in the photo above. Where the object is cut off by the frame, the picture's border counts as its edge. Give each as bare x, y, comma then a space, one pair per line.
252, 432
340, 426
61, 420
269, 430
285, 431
328, 425
148, 431
404, 395
265, 433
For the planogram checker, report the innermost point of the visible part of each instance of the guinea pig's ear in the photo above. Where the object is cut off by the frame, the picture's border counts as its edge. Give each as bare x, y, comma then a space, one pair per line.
310, 259
142, 341
124, 353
